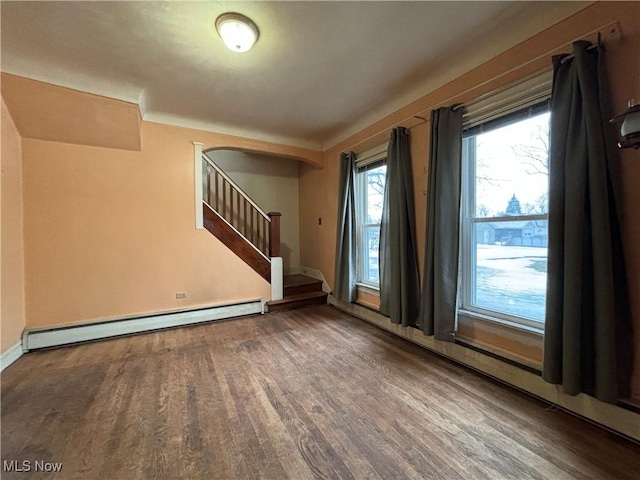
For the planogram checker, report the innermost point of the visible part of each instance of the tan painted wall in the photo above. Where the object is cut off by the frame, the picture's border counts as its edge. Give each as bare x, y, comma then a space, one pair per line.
368, 299
318, 188
272, 183
109, 232
12, 305
112, 233
70, 116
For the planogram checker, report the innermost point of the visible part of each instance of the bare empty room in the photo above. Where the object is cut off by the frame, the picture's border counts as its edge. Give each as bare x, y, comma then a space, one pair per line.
320, 240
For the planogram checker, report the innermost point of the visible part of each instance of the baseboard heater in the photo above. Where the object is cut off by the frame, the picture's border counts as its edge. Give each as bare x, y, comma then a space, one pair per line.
65, 335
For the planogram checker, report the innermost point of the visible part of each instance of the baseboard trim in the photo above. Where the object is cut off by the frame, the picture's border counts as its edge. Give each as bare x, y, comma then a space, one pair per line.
35, 339
10, 356
317, 274
612, 417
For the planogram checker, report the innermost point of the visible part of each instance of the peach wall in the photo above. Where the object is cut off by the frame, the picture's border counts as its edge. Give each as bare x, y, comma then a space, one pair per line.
368, 299
522, 347
66, 115
318, 188
71, 116
12, 305
111, 232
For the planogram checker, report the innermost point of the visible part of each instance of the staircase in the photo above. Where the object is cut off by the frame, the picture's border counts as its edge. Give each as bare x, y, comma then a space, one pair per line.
238, 222
254, 236
299, 291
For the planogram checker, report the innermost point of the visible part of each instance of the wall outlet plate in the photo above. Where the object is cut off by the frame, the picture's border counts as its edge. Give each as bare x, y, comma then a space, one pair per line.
181, 295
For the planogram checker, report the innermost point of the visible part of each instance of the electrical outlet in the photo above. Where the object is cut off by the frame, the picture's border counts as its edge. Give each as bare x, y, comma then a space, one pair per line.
181, 295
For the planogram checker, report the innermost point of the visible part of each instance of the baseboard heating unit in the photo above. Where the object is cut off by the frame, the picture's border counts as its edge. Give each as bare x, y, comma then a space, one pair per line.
35, 339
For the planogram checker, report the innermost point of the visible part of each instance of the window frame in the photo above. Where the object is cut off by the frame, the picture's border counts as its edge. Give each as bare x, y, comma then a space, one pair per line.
469, 219
367, 160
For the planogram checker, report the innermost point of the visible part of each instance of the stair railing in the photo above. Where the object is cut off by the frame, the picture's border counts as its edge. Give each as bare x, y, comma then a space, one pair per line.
234, 206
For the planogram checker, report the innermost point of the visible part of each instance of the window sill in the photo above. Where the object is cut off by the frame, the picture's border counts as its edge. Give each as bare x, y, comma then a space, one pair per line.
368, 296
503, 323
517, 360
518, 343
370, 289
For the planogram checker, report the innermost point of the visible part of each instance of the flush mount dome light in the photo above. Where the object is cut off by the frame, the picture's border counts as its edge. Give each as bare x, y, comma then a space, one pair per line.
238, 32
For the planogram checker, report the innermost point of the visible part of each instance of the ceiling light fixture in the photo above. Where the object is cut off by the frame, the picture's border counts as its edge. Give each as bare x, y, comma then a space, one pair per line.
238, 32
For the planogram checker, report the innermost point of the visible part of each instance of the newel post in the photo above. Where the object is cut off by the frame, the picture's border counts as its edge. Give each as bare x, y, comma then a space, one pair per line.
274, 234
197, 165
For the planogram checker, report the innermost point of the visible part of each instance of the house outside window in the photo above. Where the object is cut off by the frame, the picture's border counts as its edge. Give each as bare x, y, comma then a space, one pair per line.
504, 234
371, 173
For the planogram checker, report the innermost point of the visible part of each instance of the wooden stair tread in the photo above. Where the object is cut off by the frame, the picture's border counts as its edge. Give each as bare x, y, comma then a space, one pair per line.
301, 300
297, 279
295, 298
299, 291
300, 284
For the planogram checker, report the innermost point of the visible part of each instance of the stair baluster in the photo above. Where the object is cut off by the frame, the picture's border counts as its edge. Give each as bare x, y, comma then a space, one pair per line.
245, 219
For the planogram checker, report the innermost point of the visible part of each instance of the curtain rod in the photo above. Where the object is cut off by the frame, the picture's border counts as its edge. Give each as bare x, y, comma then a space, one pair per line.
613, 28
422, 120
564, 59
397, 124
590, 47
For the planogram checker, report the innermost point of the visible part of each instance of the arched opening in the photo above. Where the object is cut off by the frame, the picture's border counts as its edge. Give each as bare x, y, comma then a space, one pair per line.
270, 182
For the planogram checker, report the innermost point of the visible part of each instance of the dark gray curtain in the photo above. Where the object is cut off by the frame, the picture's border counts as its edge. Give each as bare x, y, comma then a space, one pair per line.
440, 285
399, 277
344, 286
588, 339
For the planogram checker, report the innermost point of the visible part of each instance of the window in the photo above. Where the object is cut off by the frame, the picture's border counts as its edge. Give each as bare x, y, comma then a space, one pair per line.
371, 171
504, 232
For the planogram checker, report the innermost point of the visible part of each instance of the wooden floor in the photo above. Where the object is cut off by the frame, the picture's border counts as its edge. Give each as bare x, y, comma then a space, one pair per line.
309, 393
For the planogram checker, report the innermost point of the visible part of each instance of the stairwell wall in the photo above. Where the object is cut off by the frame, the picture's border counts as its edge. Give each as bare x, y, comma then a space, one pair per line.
12, 307
111, 233
272, 183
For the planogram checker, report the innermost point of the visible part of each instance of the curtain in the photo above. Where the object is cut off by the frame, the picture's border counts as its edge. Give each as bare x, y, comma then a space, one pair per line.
399, 277
588, 339
345, 268
440, 285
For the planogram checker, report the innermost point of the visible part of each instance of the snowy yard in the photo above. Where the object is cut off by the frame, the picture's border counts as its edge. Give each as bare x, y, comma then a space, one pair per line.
512, 279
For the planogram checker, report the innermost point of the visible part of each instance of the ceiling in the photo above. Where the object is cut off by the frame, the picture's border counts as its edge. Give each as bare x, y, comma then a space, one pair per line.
319, 71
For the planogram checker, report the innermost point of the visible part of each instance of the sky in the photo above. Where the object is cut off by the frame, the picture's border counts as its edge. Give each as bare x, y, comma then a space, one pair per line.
506, 172
502, 168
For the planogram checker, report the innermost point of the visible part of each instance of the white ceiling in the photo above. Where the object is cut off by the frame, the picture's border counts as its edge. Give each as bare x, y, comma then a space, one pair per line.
320, 70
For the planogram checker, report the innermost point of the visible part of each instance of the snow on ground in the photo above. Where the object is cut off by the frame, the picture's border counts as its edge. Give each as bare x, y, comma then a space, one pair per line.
507, 281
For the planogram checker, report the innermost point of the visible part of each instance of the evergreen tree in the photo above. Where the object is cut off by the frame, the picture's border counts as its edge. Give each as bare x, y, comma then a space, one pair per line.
513, 207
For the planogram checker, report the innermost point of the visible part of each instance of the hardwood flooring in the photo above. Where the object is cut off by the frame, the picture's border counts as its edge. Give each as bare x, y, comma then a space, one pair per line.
309, 393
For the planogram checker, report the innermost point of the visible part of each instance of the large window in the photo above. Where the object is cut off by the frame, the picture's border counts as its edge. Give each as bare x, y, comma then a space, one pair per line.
370, 181
504, 217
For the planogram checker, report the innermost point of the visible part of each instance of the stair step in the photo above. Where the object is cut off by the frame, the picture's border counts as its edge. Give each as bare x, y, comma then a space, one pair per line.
299, 284
297, 301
